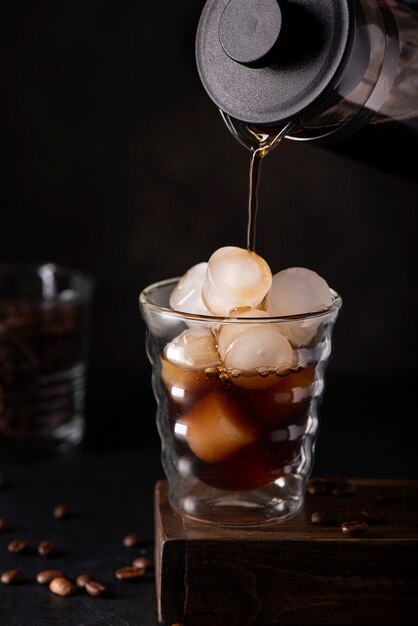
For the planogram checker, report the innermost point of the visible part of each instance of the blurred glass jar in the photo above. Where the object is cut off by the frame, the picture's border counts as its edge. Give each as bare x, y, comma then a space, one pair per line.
43, 357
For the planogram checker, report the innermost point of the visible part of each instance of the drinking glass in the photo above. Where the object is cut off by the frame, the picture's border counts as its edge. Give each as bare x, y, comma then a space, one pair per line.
43, 357
237, 447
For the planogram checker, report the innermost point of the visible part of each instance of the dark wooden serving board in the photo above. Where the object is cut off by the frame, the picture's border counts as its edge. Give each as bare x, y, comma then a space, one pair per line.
294, 573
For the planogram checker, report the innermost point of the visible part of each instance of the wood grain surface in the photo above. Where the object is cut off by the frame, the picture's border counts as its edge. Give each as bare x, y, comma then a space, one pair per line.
294, 573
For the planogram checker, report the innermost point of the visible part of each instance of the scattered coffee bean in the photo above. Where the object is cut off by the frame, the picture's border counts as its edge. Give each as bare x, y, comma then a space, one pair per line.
390, 494
375, 515
129, 573
62, 586
354, 529
132, 539
317, 488
326, 518
4, 482
82, 580
47, 576
12, 577
343, 489
18, 546
62, 511
47, 548
3, 524
95, 589
143, 562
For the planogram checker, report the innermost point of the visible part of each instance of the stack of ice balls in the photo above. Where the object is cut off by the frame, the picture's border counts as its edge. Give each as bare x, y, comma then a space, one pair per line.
237, 283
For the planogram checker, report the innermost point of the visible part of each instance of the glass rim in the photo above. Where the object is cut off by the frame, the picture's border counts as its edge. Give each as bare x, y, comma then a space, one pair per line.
145, 303
82, 291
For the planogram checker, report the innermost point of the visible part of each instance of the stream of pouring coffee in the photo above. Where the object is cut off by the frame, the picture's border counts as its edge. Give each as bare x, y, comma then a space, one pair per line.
260, 142
255, 172
261, 146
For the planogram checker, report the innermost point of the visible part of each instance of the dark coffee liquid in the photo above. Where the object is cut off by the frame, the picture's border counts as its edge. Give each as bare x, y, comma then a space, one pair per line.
261, 142
281, 403
255, 172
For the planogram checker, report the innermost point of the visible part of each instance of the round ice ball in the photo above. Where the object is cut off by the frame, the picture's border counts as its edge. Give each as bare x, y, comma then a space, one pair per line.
296, 291
261, 346
235, 278
186, 297
228, 333
194, 349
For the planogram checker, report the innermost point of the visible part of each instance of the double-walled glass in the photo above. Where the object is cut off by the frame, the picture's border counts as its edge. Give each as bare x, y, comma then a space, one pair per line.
237, 446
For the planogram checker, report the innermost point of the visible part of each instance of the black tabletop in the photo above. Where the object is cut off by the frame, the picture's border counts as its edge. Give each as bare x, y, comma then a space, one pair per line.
110, 494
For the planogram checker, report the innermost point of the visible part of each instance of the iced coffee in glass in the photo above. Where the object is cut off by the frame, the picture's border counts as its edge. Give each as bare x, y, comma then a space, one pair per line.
238, 361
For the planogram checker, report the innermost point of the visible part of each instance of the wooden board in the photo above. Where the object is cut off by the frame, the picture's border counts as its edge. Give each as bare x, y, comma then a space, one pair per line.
294, 573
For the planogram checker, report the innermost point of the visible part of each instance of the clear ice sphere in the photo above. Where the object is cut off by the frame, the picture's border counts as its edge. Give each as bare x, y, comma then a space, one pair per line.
235, 278
186, 297
194, 349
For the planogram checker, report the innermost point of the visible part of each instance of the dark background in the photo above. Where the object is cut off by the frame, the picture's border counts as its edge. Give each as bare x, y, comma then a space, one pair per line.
117, 163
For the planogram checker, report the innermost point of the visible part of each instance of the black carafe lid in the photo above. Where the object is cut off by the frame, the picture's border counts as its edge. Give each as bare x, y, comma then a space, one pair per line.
269, 61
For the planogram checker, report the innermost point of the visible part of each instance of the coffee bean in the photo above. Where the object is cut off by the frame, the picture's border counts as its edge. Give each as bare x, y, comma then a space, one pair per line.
47, 548
343, 489
354, 529
82, 580
48, 575
375, 515
62, 586
129, 573
3, 523
4, 482
12, 577
143, 562
326, 518
96, 589
132, 539
18, 546
317, 488
390, 494
62, 511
